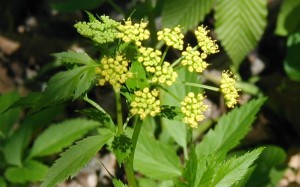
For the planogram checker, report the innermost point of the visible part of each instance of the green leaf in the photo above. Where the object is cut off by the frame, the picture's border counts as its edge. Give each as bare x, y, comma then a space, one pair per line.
100, 116
118, 183
271, 157
240, 25
74, 58
234, 169
122, 146
59, 136
8, 117
32, 171
291, 63
187, 14
2, 182
15, 145
139, 80
231, 128
67, 85
73, 159
287, 21
155, 159
73, 5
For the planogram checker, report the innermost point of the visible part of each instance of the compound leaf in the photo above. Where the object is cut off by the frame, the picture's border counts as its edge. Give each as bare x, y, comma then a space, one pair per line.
230, 129
73, 159
240, 25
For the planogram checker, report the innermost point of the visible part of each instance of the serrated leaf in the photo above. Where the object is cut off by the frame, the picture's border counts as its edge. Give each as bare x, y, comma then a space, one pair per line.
239, 26
231, 128
74, 58
73, 5
59, 136
8, 116
287, 20
234, 169
118, 183
271, 157
100, 116
187, 14
67, 85
291, 63
32, 171
73, 159
155, 159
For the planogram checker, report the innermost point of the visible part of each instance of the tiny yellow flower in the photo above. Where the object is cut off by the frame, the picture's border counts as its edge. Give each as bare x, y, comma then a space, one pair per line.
193, 107
150, 58
145, 103
205, 42
114, 70
194, 60
133, 32
228, 88
172, 37
164, 74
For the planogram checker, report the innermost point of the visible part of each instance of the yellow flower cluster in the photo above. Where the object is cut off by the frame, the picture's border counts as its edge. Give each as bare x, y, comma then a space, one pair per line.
133, 32
194, 60
164, 74
145, 103
228, 88
172, 37
150, 58
205, 42
193, 107
114, 70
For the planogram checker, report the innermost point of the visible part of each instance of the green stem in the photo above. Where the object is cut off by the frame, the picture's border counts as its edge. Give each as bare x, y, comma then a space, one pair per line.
171, 94
164, 54
116, 7
129, 164
152, 25
201, 86
119, 111
93, 103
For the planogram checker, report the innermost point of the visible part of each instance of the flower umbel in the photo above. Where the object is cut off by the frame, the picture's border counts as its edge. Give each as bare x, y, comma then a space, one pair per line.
172, 37
228, 88
133, 32
205, 42
114, 70
150, 58
145, 103
194, 60
193, 107
164, 74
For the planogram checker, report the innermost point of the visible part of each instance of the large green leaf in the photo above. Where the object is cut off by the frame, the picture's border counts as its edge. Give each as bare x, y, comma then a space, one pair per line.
187, 14
59, 136
74, 57
288, 18
240, 25
230, 129
8, 117
2, 182
32, 171
73, 159
234, 169
270, 158
291, 63
155, 159
67, 85
15, 145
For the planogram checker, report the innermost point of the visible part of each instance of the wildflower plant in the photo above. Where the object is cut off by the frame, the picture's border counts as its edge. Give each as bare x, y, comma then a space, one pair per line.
154, 90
